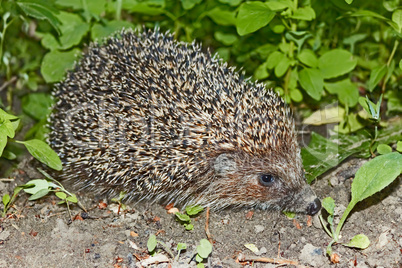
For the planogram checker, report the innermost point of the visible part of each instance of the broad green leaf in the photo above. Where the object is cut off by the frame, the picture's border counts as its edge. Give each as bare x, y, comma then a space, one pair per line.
38, 185
384, 149
231, 2
376, 75
204, 248
312, 82
308, 57
39, 194
358, 241
253, 16
73, 29
397, 18
7, 129
274, 59
73, 199
304, 13
56, 63
336, 62
222, 17
279, 5
225, 38
348, 93
282, 66
41, 151
151, 244
189, 4
261, 72
6, 116
375, 175
37, 105
296, 95
40, 10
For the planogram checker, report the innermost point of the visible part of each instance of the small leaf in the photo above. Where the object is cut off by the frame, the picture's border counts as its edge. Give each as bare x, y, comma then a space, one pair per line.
348, 93
73, 199
6, 199
41, 151
336, 62
61, 195
181, 246
274, 59
358, 241
376, 75
252, 247
189, 4
304, 13
282, 67
222, 17
194, 210
397, 18
151, 244
329, 204
182, 217
384, 149
253, 16
399, 146
375, 175
189, 227
204, 248
312, 82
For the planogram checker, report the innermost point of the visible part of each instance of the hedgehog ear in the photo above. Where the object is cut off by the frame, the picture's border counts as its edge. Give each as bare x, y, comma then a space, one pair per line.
225, 164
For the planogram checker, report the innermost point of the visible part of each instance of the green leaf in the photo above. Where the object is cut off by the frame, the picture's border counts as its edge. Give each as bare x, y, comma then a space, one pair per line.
296, 95
308, 57
73, 199
358, 241
375, 175
38, 184
253, 16
61, 195
312, 82
181, 246
100, 31
6, 199
224, 38
194, 210
231, 2
376, 75
368, 13
274, 59
182, 217
40, 10
144, 7
282, 66
41, 151
348, 93
329, 205
397, 18
6, 116
151, 244
56, 63
189, 4
37, 105
279, 5
399, 146
204, 248
222, 17
336, 62
39, 194
384, 149
189, 227
304, 13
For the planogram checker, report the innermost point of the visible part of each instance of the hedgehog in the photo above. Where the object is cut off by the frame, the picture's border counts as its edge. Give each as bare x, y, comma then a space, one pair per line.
166, 121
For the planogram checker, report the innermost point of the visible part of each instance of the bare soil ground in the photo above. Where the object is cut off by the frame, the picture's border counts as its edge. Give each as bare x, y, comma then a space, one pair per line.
38, 233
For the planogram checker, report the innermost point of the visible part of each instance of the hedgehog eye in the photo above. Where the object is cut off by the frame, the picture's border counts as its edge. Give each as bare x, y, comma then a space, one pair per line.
267, 179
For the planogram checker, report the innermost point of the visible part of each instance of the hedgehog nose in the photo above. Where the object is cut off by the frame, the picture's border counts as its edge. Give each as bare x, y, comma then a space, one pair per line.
314, 207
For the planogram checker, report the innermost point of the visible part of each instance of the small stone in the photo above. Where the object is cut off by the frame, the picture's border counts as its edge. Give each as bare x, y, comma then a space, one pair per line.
259, 228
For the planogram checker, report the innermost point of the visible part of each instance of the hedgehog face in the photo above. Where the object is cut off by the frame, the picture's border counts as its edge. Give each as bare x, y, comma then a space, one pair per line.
270, 182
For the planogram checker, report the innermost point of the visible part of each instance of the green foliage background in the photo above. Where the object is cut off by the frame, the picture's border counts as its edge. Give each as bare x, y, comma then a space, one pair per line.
313, 53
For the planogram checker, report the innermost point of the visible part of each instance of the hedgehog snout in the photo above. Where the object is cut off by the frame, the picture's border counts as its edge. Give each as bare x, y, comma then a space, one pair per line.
314, 207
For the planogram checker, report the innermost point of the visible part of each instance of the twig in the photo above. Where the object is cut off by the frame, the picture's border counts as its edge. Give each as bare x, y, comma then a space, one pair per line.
242, 258
7, 83
207, 227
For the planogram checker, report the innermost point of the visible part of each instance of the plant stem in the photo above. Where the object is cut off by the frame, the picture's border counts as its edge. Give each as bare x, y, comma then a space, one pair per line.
344, 216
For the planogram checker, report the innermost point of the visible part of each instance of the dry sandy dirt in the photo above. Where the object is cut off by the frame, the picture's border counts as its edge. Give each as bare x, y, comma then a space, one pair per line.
38, 234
